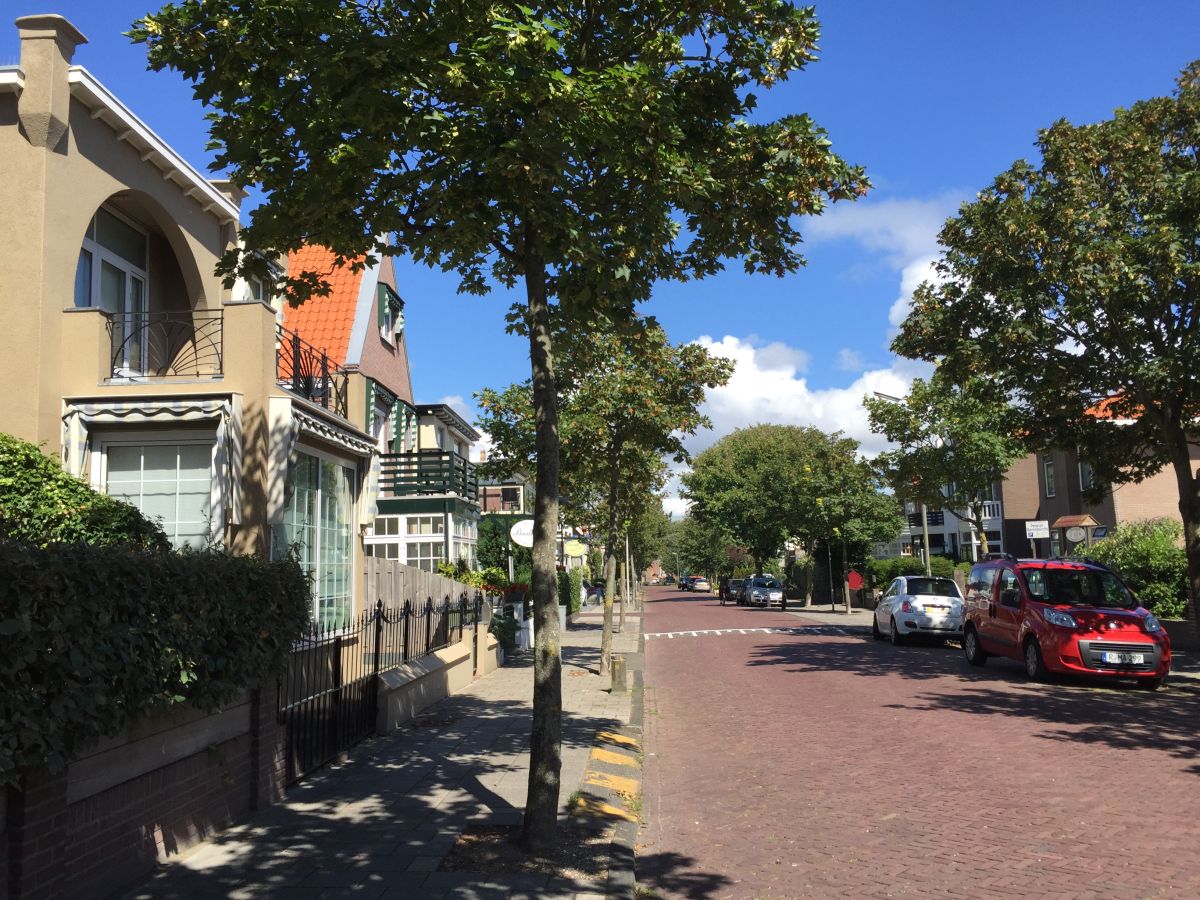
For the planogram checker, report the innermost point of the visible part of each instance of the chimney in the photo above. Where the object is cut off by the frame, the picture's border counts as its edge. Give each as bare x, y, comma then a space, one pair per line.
47, 44
234, 193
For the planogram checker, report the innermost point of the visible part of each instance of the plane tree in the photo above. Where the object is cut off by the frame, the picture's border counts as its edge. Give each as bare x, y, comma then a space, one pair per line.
953, 441
627, 399
583, 151
1073, 283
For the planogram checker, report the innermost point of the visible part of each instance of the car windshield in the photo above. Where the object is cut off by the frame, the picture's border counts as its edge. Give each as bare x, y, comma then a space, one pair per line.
938, 587
765, 583
1078, 587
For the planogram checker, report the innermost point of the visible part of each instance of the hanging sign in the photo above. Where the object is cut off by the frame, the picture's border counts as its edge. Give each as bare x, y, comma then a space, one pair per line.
522, 533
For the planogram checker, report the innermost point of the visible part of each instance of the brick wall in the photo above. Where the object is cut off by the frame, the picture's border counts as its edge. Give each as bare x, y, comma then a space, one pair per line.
102, 843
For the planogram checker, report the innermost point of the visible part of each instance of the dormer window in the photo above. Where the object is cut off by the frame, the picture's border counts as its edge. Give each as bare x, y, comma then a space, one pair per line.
391, 314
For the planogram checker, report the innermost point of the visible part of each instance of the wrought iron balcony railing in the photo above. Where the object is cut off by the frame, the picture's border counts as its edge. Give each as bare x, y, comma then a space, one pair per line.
184, 344
308, 372
428, 472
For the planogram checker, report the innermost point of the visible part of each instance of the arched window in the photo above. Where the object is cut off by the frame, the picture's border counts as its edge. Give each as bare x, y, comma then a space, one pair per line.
112, 275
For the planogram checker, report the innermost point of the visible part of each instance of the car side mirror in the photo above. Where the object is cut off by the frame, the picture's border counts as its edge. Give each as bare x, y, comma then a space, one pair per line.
1010, 597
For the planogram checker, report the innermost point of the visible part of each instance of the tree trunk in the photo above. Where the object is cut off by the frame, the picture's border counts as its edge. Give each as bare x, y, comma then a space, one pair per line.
610, 594
977, 515
540, 826
1189, 512
610, 558
624, 594
809, 569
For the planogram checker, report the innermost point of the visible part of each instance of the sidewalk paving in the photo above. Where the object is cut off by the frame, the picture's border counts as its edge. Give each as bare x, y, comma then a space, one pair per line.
379, 824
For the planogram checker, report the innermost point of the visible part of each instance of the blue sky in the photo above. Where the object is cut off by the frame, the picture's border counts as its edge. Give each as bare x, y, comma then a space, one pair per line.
934, 98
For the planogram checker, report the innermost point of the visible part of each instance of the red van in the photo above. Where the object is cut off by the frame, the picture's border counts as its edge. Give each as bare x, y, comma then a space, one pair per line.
1062, 615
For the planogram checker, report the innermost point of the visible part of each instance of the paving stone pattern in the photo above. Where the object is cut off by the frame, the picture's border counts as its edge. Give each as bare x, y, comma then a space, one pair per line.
798, 763
378, 825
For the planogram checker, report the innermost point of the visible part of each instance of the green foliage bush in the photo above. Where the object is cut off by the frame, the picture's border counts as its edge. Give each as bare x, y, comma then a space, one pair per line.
1149, 557
92, 638
574, 588
884, 570
40, 504
505, 630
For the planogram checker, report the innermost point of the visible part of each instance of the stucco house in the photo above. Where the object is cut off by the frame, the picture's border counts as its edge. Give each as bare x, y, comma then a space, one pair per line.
234, 421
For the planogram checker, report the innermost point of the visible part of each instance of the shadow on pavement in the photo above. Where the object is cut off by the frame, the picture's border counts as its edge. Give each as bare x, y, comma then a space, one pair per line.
868, 658
400, 799
675, 875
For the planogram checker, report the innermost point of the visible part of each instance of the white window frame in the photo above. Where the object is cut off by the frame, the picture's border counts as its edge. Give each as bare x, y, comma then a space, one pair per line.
309, 450
102, 440
101, 254
1050, 478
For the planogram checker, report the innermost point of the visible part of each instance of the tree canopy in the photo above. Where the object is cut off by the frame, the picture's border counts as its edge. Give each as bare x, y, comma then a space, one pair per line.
587, 150
954, 440
1074, 284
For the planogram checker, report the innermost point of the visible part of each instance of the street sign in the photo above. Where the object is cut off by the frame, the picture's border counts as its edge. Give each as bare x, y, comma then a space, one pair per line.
1038, 528
574, 548
522, 533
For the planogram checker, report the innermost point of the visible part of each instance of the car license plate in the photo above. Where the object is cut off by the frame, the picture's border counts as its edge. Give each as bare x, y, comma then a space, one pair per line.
1128, 659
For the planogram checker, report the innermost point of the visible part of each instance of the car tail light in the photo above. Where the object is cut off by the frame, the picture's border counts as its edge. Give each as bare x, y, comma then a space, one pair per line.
906, 606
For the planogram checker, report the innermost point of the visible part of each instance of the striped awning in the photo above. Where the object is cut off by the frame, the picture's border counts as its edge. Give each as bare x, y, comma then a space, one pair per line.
81, 418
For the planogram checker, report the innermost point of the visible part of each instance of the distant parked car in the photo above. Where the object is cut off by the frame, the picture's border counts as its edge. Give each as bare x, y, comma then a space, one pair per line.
761, 590
670, 579
917, 604
685, 583
729, 588
700, 584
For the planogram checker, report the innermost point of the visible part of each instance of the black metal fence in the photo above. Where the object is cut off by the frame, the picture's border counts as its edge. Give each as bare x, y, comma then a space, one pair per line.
161, 344
308, 371
329, 691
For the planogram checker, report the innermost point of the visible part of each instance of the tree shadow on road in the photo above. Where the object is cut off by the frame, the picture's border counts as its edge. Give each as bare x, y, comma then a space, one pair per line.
1088, 710
1120, 717
675, 875
863, 656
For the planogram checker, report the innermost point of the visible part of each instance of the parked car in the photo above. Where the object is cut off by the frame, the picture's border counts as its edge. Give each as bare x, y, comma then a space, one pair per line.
917, 604
700, 583
729, 589
1062, 616
761, 590
670, 579
685, 583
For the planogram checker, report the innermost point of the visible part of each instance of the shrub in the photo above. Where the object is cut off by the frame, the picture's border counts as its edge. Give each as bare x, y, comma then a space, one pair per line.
40, 504
92, 638
574, 588
505, 630
884, 570
1149, 557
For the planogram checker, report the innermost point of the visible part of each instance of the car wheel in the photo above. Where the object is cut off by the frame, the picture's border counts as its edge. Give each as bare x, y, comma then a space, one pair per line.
1150, 684
975, 654
896, 637
1035, 668
875, 632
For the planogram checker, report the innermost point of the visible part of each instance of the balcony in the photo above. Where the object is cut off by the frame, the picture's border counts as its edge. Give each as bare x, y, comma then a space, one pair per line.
308, 372
991, 509
427, 472
186, 344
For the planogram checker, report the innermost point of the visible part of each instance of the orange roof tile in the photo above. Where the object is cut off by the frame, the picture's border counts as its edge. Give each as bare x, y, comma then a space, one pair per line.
325, 322
1105, 409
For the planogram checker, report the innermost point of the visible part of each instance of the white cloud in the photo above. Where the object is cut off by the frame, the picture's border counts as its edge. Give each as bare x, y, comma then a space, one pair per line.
850, 360
758, 393
904, 231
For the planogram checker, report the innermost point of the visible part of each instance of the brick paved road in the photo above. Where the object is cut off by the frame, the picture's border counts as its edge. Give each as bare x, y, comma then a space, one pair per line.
811, 764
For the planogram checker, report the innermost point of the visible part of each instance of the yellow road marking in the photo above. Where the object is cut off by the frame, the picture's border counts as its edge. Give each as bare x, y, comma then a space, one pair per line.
593, 807
621, 740
618, 783
609, 756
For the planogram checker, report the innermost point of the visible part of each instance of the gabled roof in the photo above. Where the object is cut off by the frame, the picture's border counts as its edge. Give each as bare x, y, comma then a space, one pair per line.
325, 322
449, 417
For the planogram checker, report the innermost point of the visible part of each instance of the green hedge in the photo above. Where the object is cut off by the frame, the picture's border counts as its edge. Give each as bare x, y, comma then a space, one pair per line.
882, 571
40, 504
92, 638
1150, 557
575, 587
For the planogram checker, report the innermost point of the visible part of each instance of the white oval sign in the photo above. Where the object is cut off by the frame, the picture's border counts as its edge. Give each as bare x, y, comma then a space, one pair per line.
522, 533
1076, 534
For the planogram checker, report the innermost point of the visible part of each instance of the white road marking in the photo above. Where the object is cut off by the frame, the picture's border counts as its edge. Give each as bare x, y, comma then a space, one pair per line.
799, 629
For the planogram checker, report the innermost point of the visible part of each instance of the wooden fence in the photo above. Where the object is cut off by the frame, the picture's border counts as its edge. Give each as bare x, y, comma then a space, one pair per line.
393, 583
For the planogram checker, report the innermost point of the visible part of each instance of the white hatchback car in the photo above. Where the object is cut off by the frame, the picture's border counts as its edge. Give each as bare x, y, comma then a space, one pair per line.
917, 604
